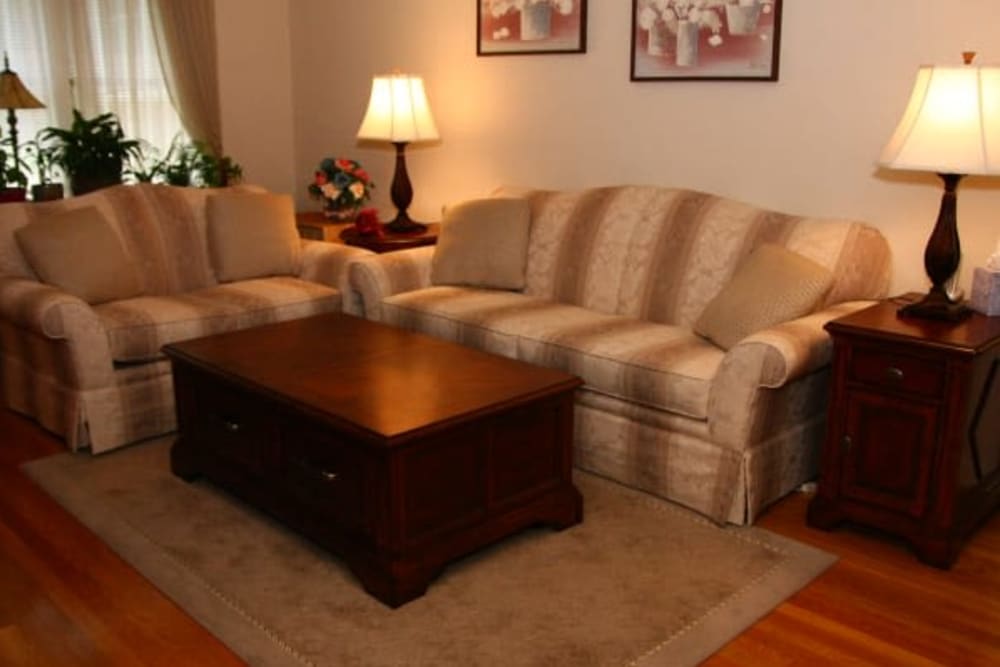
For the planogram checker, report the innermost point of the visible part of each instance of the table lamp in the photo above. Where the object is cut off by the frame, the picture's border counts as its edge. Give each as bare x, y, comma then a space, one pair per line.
14, 95
398, 112
951, 126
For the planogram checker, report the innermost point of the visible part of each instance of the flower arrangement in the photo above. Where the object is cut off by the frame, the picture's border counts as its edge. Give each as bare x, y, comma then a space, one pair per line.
498, 8
702, 13
344, 186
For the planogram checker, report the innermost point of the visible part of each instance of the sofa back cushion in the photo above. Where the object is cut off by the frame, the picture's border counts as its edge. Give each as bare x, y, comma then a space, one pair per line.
162, 227
663, 254
483, 243
124, 207
252, 236
78, 252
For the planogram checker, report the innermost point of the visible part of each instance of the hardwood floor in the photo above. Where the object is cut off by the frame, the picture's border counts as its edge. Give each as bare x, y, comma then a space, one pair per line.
66, 599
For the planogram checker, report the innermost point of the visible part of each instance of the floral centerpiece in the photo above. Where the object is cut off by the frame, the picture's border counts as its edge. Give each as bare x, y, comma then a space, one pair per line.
343, 185
536, 16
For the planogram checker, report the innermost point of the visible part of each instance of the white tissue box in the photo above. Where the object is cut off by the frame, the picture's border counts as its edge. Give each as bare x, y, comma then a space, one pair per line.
985, 291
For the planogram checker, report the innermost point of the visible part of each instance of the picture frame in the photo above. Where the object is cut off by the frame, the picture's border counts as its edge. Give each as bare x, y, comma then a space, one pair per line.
530, 27
715, 40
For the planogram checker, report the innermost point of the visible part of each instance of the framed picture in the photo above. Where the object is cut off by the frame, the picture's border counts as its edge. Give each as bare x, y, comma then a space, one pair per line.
725, 40
517, 27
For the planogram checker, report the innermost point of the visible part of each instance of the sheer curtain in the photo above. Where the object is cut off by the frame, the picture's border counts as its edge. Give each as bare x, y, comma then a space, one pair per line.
94, 55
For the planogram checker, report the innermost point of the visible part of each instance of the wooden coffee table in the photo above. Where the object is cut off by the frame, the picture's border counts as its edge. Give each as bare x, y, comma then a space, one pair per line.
397, 451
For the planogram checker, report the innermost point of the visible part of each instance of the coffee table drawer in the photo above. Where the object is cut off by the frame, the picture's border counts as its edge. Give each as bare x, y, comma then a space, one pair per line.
231, 425
325, 474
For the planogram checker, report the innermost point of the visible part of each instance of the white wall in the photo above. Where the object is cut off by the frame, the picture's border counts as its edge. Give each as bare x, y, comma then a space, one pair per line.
255, 88
806, 144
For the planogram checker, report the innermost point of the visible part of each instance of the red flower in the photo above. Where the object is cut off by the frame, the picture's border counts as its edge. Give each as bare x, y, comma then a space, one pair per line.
362, 174
367, 222
346, 165
320, 178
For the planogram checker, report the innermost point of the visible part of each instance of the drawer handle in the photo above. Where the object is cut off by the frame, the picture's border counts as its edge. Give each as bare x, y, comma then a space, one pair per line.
321, 474
894, 374
230, 425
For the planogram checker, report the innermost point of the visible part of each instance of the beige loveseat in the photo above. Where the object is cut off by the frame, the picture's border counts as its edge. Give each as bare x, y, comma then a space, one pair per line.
92, 372
614, 281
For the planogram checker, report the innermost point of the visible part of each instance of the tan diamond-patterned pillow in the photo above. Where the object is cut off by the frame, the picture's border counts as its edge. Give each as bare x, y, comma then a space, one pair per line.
774, 285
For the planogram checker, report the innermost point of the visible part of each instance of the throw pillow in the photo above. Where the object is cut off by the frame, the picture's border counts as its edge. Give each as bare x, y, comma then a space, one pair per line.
252, 235
483, 243
773, 285
78, 252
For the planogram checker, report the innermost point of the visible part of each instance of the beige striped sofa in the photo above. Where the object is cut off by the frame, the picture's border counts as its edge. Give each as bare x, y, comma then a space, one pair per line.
615, 279
94, 374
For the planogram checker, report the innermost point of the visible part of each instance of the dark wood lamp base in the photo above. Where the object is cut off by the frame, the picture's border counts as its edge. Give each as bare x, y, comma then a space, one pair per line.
402, 195
936, 306
941, 259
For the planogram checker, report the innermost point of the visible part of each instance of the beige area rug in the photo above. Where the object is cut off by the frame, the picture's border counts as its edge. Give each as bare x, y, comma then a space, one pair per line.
639, 582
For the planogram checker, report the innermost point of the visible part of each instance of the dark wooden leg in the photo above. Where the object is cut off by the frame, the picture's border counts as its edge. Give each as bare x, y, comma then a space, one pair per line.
182, 461
939, 552
393, 583
565, 510
822, 514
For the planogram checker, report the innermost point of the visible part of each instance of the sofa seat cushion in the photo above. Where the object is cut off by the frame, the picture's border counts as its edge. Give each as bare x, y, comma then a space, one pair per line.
655, 365
138, 328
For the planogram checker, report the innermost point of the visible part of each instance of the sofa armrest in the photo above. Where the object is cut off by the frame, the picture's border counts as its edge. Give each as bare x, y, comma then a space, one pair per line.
328, 263
55, 330
381, 276
738, 406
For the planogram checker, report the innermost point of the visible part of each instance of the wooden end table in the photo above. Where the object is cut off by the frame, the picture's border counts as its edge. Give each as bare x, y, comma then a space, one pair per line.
312, 225
913, 433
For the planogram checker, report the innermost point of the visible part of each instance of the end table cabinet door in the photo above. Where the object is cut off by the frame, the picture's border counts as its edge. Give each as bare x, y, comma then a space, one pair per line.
887, 447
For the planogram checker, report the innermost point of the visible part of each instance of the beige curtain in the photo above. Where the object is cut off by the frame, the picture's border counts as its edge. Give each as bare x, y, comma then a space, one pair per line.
185, 38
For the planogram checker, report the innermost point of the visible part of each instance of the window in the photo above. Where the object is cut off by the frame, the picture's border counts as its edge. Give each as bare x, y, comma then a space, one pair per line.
94, 55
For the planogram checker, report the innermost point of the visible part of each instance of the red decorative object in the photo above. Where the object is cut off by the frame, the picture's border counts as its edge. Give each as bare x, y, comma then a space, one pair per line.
367, 223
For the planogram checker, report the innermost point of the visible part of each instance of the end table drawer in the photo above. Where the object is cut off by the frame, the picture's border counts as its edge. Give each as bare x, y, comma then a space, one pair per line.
900, 372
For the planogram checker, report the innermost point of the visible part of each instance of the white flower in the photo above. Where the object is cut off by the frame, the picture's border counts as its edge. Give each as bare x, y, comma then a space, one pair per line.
647, 18
715, 40
498, 8
329, 190
711, 20
502, 33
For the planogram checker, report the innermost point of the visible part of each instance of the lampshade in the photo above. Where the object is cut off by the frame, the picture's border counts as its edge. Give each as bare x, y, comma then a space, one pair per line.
951, 124
398, 111
13, 94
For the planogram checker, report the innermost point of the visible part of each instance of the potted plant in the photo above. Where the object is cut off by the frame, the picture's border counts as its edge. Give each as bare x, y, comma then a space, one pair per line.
191, 164
92, 152
45, 189
13, 180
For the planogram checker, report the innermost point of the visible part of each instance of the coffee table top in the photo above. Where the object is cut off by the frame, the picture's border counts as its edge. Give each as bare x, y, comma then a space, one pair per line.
368, 377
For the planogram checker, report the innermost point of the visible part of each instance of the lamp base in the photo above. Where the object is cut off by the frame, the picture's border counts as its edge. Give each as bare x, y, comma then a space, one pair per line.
403, 225
936, 306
